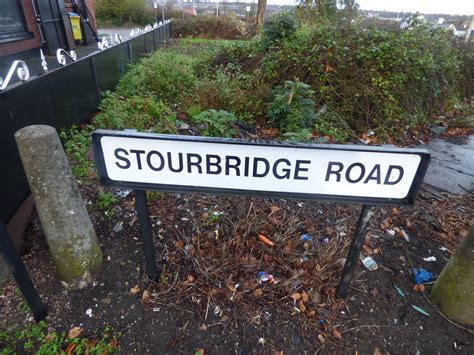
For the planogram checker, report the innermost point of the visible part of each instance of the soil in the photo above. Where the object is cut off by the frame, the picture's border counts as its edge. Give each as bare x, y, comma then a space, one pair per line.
209, 298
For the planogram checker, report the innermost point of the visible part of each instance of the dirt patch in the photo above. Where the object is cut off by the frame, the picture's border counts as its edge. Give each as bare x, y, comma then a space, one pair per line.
210, 296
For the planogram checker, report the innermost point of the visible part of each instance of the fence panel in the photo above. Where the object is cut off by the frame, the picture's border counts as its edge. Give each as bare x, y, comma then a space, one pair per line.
61, 98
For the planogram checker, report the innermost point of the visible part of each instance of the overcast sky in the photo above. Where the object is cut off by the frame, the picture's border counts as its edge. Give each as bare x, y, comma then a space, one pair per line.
453, 7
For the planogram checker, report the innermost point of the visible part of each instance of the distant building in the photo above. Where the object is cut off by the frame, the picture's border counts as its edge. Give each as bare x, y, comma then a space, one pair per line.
30, 24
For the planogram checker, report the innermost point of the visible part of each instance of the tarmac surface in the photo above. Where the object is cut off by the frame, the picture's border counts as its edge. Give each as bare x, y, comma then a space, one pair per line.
452, 164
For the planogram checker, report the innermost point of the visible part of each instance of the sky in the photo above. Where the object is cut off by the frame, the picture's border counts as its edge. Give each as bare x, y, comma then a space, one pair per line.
453, 7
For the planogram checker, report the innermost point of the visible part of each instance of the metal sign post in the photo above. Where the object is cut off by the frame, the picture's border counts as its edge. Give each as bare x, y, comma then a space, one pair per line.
21, 276
355, 174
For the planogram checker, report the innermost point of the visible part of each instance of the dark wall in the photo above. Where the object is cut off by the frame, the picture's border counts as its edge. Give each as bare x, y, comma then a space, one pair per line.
60, 98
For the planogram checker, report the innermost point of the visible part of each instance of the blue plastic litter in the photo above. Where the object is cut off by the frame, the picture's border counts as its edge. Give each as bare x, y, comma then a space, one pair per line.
422, 275
306, 238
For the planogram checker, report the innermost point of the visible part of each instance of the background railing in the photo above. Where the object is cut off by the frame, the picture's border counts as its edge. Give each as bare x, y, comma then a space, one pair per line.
61, 98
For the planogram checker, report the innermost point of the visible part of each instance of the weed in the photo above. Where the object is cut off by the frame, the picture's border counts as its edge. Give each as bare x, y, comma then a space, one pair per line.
36, 339
138, 112
77, 143
278, 28
105, 202
292, 107
154, 195
218, 123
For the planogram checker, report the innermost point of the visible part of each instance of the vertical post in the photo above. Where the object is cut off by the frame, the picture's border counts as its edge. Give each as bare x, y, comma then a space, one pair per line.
162, 12
146, 233
354, 251
129, 47
96, 80
18, 270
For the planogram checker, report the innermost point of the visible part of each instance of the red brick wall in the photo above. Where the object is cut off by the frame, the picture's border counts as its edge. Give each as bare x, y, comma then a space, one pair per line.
20, 46
90, 6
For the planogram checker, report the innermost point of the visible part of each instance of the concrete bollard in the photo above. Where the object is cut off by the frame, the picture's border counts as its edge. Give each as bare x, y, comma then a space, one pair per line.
69, 232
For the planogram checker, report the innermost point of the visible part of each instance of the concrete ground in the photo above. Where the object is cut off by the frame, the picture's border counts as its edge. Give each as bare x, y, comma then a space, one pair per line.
452, 164
111, 31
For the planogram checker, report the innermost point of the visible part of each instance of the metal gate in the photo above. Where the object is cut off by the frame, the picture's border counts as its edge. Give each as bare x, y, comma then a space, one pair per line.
51, 13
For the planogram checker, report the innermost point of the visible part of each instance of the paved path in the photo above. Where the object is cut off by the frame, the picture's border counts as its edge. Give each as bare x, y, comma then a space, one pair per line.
123, 31
452, 164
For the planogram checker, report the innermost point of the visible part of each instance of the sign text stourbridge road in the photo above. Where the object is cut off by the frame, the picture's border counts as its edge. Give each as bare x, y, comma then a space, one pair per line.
328, 172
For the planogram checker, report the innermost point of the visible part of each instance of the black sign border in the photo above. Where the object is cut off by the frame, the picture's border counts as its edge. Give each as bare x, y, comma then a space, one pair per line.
407, 200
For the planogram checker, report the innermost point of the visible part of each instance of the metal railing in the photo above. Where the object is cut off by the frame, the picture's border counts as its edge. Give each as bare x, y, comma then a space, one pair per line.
60, 98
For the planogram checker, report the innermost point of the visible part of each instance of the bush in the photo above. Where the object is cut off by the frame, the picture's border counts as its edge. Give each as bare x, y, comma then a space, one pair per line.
137, 112
278, 28
373, 78
166, 75
218, 123
209, 27
119, 12
292, 108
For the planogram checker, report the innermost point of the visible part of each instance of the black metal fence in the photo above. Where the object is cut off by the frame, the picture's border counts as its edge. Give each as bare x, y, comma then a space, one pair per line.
61, 98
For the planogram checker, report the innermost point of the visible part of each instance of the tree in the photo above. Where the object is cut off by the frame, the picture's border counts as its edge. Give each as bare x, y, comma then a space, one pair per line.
453, 291
261, 9
132, 11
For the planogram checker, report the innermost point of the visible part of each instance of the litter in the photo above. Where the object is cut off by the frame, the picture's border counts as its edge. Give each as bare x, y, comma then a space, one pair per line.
399, 291
370, 263
324, 240
123, 193
263, 276
421, 310
265, 240
430, 258
443, 248
306, 238
422, 275
405, 235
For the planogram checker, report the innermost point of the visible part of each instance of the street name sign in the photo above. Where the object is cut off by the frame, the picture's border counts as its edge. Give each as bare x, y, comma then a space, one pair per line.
341, 173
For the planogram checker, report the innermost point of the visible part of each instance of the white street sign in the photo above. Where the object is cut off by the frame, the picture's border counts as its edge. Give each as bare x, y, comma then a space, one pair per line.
332, 172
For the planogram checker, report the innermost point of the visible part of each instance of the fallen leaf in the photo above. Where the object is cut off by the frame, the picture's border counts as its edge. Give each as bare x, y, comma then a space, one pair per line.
74, 332
336, 334
296, 296
257, 292
302, 307
114, 344
419, 288
199, 351
304, 296
134, 290
367, 250
70, 349
179, 244
274, 209
145, 296
288, 248
377, 351
374, 292
190, 279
